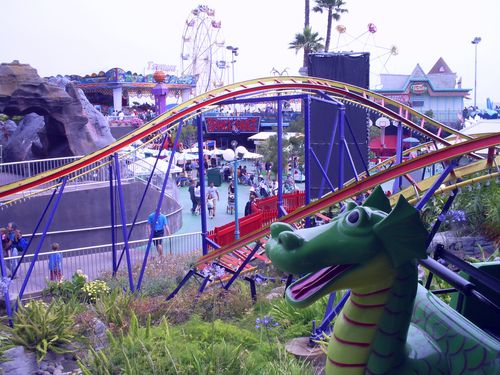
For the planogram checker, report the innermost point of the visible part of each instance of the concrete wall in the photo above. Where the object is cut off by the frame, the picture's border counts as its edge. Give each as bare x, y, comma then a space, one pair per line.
86, 211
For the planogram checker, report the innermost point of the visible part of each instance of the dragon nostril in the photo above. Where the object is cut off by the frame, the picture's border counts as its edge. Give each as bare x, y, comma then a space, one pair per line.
290, 240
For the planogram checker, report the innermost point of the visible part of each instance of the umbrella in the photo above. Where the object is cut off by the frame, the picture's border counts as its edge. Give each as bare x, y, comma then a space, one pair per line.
251, 155
144, 166
186, 156
411, 140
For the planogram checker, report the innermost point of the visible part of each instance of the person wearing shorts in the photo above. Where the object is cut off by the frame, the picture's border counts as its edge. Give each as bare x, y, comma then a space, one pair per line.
159, 229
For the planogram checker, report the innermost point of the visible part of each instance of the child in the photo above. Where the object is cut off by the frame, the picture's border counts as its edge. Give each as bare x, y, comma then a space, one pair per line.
210, 205
55, 263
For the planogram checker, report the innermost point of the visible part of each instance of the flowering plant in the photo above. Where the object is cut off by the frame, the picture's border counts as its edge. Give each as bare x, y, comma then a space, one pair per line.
95, 289
214, 272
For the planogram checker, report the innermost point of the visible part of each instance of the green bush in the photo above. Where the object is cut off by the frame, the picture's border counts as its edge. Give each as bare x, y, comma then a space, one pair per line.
114, 309
196, 347
298, 322
67, 289
42, 328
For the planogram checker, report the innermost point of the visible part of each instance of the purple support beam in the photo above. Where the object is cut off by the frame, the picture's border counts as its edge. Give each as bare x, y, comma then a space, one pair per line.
242, 266
146, 188
34, 231
430, 192
42, 239
341, 146
201, 169
280, 157
112, 210
124, 222
306, 102
351, 162
441, 217
399, 158
362, 158
328, 157
322, 170
158, 207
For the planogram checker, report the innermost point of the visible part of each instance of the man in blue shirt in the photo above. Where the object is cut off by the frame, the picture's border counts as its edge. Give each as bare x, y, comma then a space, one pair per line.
159, 229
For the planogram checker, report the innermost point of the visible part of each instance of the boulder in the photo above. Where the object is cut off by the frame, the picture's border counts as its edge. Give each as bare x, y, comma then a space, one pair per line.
72, 126
19, 361
24, 143
7, 128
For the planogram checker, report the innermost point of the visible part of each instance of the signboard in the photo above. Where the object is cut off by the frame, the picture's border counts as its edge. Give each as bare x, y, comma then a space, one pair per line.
153, 67
418, 88
232, 125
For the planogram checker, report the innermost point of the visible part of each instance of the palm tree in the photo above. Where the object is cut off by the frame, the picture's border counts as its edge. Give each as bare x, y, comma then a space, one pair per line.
307, 40
306, 13
334, 8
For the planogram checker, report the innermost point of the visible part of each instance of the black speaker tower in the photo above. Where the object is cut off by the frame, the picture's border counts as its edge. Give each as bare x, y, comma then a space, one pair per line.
351, 68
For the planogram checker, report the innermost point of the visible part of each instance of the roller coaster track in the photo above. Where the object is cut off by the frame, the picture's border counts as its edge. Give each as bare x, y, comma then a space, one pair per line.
306, 85
330, 199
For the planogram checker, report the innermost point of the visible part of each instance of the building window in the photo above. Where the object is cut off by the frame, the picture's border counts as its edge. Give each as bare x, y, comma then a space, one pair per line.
417, 103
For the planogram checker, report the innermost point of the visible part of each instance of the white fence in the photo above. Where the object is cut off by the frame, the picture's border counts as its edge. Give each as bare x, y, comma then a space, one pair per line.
94, 261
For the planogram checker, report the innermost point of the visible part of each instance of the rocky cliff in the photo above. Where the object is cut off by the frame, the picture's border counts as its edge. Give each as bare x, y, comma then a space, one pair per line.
59, 120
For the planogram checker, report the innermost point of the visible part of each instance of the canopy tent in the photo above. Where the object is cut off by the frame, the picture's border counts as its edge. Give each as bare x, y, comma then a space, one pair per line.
144, 166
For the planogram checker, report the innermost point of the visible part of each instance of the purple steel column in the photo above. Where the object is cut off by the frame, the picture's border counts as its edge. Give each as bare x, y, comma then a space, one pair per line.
430, 192
124, 222
306, 102
158, 208
42, 239
329, 155
399, 158
112, 209
144, 194
201, 169
280, 158
340, 182
34, 231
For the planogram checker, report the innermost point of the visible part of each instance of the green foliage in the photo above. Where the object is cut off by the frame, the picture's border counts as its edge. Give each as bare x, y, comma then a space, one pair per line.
67, 289
297, 322
115, 309
42, 328
193, 348
95, 289
294, 146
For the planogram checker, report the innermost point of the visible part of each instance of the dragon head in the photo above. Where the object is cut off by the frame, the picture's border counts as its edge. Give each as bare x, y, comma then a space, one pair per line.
359, 245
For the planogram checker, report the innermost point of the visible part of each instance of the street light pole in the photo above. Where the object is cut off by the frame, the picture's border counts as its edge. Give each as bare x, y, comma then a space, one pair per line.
233, 156
234, 53
476, 41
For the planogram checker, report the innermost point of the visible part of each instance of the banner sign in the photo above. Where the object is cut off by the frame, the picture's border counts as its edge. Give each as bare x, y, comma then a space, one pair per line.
233, 125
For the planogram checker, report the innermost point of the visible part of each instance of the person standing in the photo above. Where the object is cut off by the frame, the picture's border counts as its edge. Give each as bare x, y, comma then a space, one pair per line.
250, 205
192, 186
197, 197
159, 228
212, 190
55, 263
12, 251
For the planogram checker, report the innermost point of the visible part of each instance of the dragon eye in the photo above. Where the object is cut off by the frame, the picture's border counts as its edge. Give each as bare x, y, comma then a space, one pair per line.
353, 217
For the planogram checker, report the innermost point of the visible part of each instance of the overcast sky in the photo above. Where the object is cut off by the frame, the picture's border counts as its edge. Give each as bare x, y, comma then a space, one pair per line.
81, 37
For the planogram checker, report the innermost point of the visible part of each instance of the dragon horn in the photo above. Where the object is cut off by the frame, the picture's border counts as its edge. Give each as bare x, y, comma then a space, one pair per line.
402, 233
378, 200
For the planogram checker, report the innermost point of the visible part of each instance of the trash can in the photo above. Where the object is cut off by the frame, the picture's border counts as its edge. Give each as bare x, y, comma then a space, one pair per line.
213, 175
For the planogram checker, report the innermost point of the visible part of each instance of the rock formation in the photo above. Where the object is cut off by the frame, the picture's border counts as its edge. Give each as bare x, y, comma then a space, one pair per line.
67, 124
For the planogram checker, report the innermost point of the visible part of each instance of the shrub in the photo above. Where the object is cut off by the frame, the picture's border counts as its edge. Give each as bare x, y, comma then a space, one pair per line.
41, 328
193, 348
114, 309
67, 289
94, 290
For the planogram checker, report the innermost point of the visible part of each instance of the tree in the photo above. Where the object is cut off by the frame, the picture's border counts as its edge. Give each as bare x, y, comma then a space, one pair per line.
334, 10
306, 13
307, 40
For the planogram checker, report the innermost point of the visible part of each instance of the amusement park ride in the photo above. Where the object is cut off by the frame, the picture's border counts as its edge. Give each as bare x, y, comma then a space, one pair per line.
461, 165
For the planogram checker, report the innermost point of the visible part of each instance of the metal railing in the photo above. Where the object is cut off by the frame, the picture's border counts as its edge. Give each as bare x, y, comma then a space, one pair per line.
15, 171
96, 260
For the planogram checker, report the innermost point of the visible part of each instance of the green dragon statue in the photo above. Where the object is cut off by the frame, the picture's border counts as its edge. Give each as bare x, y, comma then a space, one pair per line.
390, 324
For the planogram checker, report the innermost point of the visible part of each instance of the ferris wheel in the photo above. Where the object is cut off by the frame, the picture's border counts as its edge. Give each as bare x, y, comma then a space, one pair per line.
203, 49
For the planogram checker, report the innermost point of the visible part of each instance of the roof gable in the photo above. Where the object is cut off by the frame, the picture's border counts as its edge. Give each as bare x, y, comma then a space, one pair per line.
440, 67
418, 72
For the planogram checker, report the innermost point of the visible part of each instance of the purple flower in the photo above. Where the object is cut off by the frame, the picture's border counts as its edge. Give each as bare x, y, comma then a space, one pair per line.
266, 322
